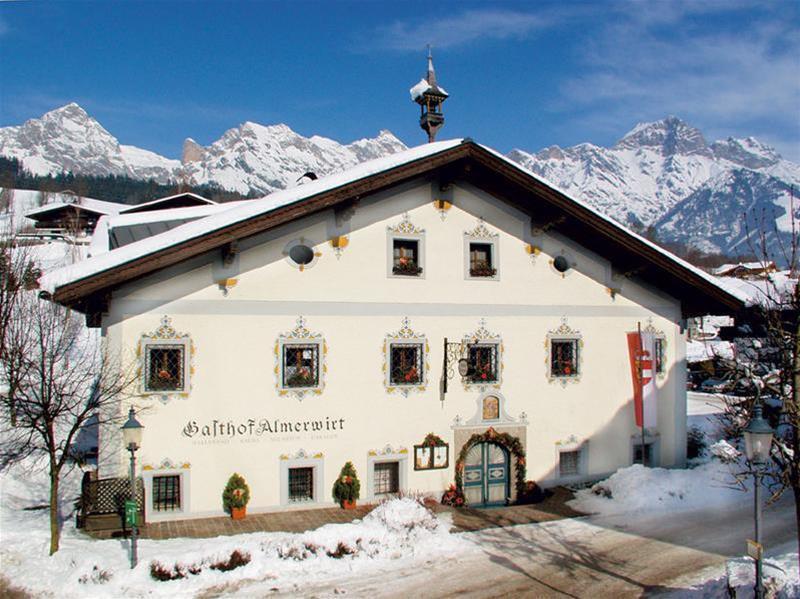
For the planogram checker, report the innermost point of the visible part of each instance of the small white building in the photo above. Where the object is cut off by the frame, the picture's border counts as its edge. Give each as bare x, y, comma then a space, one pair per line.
286, 336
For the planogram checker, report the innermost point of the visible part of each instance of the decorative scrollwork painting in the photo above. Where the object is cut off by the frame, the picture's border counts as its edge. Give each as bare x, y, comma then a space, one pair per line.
165, 362
405, 360
300, 366
484, 351
563, 354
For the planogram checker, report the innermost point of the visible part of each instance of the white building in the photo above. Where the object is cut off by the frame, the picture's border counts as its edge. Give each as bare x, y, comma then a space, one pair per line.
288, 335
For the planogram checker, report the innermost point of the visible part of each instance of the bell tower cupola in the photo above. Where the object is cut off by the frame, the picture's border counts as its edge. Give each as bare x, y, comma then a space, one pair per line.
430, 98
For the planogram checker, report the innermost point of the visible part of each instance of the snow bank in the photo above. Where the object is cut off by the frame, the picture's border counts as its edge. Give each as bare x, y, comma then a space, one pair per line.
637, 488
700, 351
398, 532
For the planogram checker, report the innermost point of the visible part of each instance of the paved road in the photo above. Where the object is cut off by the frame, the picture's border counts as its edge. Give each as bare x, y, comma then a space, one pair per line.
587, 557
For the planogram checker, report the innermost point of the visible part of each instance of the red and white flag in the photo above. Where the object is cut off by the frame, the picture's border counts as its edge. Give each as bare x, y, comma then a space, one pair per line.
641, 350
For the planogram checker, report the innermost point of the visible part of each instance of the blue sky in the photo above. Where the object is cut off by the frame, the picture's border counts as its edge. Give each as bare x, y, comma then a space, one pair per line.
524, 75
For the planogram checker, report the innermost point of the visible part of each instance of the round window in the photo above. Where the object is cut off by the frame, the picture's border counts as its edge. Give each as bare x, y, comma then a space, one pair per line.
301, 254
561, 264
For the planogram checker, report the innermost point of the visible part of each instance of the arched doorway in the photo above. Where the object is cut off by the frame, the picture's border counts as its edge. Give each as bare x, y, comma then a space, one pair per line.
487, 474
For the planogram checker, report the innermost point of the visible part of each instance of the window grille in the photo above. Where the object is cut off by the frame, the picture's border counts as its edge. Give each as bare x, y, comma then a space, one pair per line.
658, 343
569, 463
406, 363
637, 453
301, 484
564, 357
481, 262
387, 477
301, 365
164, 368
483, 359
405, 258
167, 493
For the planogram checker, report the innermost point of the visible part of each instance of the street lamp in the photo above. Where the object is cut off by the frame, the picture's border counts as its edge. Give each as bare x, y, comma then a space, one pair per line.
757, 443
132, 437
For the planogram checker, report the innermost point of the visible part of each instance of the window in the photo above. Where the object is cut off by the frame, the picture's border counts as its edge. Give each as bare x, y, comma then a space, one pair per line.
301, 254
564, 357
300, 365
483, 360
386, 478
301, 484
659, 343
481, 260
569, 463
406, 365
167, 493
405, 257
164, 368
637, 454
561, 264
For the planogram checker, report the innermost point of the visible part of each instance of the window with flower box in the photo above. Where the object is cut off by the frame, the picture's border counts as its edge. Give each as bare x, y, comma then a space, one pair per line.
483, 360
300, 365
481, 260
406, 258
164, 368
564, 357
406, 363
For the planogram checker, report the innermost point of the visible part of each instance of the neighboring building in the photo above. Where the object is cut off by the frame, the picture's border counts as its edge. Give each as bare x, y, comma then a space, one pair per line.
180, 200
285, 336
72, 216
746, 270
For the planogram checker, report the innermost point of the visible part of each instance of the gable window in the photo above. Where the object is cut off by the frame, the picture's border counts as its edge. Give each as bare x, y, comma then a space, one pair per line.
481, 260
564, 357
483, 360
166, 493
386, 478
301, 484
406, 363
406, 257
164, 367
300, 365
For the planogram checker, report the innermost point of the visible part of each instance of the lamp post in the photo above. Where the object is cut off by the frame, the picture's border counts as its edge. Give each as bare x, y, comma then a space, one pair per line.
132, 437
757, 443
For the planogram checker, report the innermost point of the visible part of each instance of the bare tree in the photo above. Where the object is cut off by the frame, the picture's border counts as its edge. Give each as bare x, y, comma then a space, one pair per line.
55, 376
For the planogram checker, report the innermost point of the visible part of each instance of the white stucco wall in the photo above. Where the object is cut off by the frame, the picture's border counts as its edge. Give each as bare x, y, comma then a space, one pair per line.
353, 304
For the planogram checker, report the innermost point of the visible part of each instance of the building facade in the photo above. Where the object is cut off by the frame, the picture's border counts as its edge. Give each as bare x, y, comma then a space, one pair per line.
327, 336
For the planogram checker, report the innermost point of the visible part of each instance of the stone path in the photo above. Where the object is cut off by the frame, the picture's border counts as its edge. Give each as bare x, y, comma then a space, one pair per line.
465, 519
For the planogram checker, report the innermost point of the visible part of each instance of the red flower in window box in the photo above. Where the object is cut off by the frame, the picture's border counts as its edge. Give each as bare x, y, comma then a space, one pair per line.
567, 369
411, 376
164, 375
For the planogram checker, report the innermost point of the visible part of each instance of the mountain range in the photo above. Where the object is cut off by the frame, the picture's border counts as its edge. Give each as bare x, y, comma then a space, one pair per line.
663, 175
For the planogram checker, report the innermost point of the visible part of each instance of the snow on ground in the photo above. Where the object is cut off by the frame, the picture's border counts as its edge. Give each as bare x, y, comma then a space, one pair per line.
397, 533
700, 351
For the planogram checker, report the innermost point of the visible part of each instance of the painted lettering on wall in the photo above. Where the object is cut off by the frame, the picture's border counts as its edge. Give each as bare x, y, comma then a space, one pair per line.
217, 429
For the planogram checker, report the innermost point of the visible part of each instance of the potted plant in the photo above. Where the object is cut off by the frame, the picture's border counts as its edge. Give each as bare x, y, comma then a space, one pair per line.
406, 266
236, 496
347, 487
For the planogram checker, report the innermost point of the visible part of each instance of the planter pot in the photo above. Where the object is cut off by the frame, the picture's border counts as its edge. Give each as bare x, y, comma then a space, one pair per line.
348, 505
238, 513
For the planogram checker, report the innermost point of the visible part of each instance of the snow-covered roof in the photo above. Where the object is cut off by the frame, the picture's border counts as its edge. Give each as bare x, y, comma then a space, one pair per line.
423, 86
775, 288
153, 204
256, 208
106, 225
98, 206
747, 265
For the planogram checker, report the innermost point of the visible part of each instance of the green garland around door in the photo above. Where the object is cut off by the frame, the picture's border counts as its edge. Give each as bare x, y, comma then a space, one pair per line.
509, 442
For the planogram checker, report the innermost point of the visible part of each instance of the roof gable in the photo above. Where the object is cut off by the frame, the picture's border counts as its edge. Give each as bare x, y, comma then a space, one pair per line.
79, 284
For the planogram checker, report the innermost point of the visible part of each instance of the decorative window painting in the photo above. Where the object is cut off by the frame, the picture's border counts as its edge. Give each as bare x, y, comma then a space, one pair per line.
405, 259
491, 408
483, 358
301, 365
406, 365
564, 357
164, 368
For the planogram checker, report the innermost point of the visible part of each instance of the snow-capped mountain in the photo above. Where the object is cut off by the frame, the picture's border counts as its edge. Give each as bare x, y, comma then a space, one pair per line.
730, 212
255, 158
652, 169
68, 139
248, 158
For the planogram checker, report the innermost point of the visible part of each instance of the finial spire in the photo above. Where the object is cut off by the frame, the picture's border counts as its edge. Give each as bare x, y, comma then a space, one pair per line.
429, 96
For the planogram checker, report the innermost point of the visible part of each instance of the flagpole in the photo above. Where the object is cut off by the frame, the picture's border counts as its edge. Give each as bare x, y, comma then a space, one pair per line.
641, 388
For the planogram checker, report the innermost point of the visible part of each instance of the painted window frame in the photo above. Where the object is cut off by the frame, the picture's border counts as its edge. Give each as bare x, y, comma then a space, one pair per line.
405, 231
300, 335
481, 234
285, 344
564, 333
301, 241
405, 336
165, 337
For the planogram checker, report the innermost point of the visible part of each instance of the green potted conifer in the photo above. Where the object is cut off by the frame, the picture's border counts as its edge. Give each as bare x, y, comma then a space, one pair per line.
347, 487
236, 496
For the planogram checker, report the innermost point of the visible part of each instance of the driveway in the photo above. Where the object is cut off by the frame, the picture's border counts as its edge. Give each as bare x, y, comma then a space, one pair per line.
609, 556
